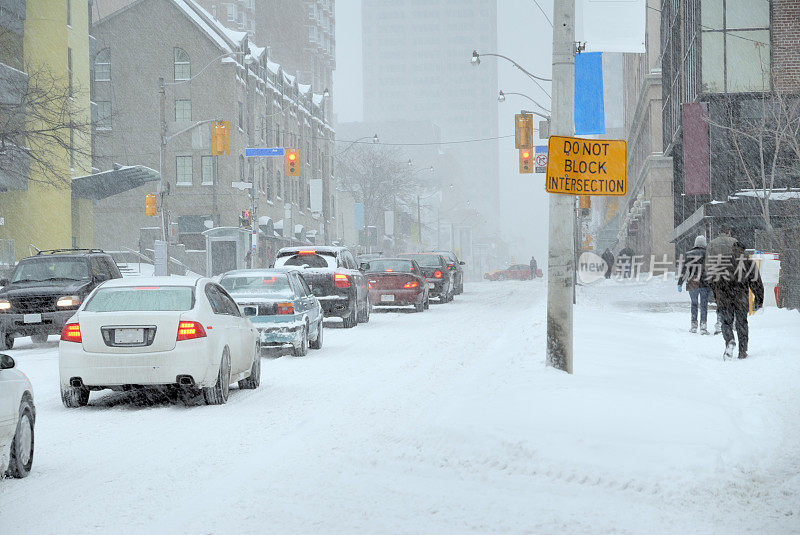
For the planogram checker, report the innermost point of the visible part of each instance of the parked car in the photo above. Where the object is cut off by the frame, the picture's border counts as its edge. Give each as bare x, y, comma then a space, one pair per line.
45, 290
17, 419
397, 282
334, 278
158, 331
434, 268
280, 304
515, 272
456, 268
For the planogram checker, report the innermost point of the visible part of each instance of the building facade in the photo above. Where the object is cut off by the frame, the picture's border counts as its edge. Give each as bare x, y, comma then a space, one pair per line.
46, 42
730, 74
416, 67
209, 73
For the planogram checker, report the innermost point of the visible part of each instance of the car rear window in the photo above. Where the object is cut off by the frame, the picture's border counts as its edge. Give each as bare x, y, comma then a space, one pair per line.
402, 266
277, 284
312, 260
424, 260
142, 299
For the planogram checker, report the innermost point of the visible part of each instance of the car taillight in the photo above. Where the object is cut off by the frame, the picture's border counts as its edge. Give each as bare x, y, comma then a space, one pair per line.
285, 308
437, 274
340, 280
450, 266
71, 333
410, 284
189, 330
306, 252
370, 285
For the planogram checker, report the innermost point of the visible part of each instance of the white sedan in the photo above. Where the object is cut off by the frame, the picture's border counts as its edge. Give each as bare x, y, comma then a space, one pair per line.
17, 416
158, 331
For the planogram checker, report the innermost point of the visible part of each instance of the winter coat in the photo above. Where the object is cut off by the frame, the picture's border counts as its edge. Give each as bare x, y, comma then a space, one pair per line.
731, 280
533, 267
608, 257
627, 252
693, 269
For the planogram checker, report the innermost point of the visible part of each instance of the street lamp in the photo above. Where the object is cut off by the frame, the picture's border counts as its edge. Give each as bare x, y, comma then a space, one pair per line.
476, 60
501, 97
375, 140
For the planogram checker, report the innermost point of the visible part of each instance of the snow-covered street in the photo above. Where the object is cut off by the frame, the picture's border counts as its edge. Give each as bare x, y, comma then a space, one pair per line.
445, 422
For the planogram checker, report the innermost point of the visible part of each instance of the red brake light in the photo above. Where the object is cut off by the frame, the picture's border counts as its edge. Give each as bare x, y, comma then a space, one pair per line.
437, 274
188, 330
450, 265
411, 284
306, 252
340, 280
370, 285
71, 333
285, 308
389, 270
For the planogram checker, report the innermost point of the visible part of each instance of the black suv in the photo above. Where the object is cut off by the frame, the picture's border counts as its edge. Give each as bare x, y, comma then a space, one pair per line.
454, 265
45, 290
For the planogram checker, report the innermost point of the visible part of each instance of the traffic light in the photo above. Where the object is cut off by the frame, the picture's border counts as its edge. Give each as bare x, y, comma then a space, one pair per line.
220, 139
150, 204
525, 161
291, 162
244, 220
585, 203
523, 131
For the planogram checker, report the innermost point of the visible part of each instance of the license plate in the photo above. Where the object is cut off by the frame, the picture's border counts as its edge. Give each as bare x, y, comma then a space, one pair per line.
129, 336
387, 298
32, 318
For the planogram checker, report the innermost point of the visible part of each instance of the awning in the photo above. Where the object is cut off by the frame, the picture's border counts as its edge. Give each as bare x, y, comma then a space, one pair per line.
113, 182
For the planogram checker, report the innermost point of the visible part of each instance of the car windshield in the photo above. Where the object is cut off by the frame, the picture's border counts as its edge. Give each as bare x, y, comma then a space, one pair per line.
142, 299
403, 266
310, 259
425, 260
51, 268
272, 284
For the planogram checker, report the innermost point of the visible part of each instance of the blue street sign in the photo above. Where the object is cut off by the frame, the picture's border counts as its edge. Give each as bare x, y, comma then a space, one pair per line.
277, 151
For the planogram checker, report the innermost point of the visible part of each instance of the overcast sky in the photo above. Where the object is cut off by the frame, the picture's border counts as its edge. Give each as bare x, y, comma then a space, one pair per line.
523, 34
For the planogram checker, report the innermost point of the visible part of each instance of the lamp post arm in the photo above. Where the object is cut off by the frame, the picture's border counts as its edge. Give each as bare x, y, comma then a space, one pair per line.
518, 66
348, 147
524, 112
167, 139
529, 98
203, 69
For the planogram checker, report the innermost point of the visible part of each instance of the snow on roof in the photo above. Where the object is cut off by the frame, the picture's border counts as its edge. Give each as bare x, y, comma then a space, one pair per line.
317, 99
289, 78
273, 67
264, 220
303, 88
256, 51
218, 33
775, 194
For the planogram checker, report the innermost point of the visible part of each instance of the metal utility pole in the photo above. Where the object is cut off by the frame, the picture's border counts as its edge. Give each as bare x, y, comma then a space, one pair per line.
162, 141
561, 258
419, 224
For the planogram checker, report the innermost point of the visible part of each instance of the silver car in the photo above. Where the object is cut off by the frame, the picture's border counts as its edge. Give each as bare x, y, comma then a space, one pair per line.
17, 417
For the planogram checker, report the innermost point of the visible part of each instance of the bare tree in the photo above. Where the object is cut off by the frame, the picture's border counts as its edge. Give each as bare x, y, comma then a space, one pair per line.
42, 127
769, 136
377, 176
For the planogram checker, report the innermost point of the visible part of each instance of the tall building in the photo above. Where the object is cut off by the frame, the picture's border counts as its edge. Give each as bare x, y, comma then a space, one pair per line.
731, 76
416, 67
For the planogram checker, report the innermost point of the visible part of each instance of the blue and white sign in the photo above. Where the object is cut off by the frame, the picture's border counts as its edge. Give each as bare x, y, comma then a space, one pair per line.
540, 159
253, 151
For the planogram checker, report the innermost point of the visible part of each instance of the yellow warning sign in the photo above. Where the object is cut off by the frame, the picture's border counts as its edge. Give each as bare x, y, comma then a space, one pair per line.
577, 166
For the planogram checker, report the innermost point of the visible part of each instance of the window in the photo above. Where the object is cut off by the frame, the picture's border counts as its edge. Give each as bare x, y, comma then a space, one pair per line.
183, 110
183, 69
102, 66
69, 69
69, 13
207, 169
241, 168
278, 184
241, 116
268, 186
735, 45
149, 299
183, 170
104, 115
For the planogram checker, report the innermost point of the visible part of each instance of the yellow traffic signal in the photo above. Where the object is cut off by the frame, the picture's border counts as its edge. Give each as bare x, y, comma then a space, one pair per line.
525, 161
523, 131
220, 139
150, 204
291, 162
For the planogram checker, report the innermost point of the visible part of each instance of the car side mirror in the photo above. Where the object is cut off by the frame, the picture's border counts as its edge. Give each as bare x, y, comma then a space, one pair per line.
3, 282
6, 362
364, 266
462, 263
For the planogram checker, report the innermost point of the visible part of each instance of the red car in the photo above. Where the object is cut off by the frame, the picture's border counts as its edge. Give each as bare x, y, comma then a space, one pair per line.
515, 272
397, 282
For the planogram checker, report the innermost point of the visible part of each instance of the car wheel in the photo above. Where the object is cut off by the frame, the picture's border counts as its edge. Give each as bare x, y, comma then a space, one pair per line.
73, 397
349, 321
6, 340
39, 338
501, 277
316, 343
218, 394
254, 380
21, 459
364, 316
419, 307
301, 350
427, 303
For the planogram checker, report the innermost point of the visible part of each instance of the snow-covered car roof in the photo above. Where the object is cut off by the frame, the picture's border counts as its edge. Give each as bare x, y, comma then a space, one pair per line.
172, 280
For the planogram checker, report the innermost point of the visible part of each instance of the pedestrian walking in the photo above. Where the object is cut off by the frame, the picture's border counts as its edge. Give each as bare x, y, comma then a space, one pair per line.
608, 257
731, 276
625, 260
534, 268
692, 272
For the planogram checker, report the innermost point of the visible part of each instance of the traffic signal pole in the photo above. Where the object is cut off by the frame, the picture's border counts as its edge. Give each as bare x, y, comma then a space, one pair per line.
561, 257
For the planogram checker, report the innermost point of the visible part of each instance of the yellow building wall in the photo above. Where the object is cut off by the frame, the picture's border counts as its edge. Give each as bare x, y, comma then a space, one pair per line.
43, 215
